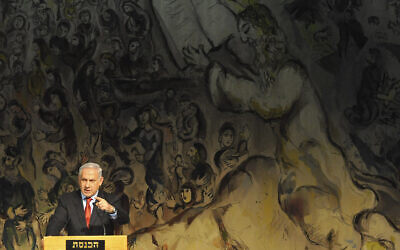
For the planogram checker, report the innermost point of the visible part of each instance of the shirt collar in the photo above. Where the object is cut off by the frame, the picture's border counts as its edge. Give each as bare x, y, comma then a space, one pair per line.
93, 197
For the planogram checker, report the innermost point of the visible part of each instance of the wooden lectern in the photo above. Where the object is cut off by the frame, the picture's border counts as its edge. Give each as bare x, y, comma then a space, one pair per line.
106, 242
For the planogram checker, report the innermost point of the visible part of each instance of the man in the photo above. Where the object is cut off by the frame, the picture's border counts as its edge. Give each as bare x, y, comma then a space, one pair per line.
16, 202
89, 211
314, 172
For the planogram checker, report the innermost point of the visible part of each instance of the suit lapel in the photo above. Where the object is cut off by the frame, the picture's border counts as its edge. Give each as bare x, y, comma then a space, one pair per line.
96, 213
95, 216
79, 212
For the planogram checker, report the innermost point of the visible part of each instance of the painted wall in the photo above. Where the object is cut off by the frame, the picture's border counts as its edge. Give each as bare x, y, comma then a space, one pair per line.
221, 124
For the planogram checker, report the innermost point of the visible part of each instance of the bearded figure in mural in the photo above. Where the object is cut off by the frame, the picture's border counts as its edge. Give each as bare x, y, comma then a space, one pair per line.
315, 189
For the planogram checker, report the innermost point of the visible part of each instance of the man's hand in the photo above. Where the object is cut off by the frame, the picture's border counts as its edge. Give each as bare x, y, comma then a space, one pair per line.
39, 135
196, 57
21, 211
108, 187
21, 226
44, 218
102, 204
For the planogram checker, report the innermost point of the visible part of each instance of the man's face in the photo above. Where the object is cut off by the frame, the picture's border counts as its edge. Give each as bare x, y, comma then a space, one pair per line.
85, 18
42, 6
106, 16
70, 188
106, 63
160, 196
9, 161
144, 117
276, 45
42, 14
62, 31
127, 8
55, 102
178, 160
227, 138
133, 47
18, 23
50, 77
75, 41
248, 33
105, 166
90, 181
191, 152
186, 195
184, 104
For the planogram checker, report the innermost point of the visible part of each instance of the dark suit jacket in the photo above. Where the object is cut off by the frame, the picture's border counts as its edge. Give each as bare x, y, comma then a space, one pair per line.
71, 215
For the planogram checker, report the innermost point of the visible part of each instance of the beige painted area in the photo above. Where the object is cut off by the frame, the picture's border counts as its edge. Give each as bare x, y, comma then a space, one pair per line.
251, 215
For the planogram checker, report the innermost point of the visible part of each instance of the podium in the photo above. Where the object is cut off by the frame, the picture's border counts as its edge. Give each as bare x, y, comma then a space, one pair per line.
106, 242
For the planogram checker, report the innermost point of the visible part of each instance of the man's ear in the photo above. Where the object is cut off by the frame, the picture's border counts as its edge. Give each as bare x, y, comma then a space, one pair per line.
101, 180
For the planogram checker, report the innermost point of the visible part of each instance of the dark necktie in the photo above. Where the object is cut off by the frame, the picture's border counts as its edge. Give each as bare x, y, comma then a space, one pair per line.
88, 211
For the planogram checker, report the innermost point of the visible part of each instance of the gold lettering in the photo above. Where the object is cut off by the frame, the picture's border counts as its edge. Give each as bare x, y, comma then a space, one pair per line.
85, 246
80, 244
96, 244
90, 244
74, 244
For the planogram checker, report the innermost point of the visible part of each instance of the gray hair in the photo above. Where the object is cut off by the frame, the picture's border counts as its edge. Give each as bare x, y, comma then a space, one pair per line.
91, 165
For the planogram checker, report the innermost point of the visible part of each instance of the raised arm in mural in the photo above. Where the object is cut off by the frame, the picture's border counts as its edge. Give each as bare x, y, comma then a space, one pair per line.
313, 169
55, 113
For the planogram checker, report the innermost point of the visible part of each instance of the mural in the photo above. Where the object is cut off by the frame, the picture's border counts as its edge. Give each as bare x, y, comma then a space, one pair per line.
220, 124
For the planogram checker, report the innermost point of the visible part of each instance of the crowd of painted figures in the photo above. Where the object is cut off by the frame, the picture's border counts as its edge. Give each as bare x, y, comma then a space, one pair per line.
79, 82
84, 80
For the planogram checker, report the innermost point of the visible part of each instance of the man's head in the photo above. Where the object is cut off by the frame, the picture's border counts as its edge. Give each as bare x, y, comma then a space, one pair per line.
85, 16
134, 45
188, 193
90, 178
178, 159
146, 115
63, 28
107, 61
257, 25
226, 134
53, 168
197, 153
19, 22
12, 157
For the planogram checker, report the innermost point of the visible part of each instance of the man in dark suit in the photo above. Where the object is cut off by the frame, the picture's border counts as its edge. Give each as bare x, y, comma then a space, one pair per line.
89, 211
